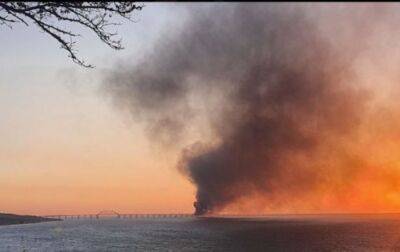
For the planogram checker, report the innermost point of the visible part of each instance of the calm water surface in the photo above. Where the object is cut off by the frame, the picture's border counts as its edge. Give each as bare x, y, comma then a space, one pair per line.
274, 233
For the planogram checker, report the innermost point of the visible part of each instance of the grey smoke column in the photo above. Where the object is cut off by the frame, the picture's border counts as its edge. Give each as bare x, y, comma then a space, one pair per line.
285, 94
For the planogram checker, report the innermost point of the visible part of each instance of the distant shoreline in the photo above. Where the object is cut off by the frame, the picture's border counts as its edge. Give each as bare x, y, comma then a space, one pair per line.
12, 219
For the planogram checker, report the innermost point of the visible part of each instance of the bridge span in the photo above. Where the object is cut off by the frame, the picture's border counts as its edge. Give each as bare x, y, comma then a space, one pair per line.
114, 214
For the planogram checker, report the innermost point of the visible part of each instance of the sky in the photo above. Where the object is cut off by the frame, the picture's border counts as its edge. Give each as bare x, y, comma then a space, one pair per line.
65, 149
192, 90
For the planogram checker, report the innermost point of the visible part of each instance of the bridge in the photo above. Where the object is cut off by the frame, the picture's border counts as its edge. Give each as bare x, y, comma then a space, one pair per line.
114, 214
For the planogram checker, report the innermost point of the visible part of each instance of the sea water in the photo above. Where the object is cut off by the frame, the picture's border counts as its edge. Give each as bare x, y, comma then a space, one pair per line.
268, 233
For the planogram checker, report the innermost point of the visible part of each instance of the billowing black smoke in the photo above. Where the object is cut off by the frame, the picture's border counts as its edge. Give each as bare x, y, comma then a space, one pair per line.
284, 94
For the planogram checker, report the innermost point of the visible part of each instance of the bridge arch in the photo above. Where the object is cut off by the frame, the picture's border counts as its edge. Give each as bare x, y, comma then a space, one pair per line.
108, 213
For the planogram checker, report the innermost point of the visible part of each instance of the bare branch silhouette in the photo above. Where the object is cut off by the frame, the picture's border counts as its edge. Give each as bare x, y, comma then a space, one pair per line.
51, 18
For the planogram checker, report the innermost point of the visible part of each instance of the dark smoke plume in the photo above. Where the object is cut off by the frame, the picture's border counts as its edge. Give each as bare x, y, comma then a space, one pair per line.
284, 95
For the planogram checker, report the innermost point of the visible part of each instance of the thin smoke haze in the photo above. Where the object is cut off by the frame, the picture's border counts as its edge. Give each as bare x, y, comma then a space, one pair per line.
282, 102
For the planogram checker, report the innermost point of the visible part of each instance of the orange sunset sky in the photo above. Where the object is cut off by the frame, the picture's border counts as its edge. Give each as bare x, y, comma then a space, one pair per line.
66, 149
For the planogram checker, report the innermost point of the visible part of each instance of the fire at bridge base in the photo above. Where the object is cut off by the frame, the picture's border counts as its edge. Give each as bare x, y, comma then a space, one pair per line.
200, 208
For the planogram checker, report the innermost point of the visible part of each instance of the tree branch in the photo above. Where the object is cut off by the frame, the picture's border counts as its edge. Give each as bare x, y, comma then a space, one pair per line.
95, 16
